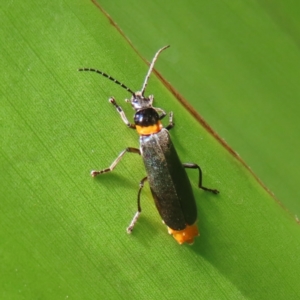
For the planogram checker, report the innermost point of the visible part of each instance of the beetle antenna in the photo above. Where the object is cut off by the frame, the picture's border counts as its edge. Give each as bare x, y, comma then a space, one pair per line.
151, 68
109, 77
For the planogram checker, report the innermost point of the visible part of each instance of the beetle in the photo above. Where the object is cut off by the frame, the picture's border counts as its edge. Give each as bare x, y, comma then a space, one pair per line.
168, 180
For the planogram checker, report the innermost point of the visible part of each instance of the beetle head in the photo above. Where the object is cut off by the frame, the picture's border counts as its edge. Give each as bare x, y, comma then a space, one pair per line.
138, 101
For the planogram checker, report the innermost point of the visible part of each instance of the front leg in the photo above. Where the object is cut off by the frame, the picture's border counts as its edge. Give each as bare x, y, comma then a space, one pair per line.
171, 123
160, 112
121, 112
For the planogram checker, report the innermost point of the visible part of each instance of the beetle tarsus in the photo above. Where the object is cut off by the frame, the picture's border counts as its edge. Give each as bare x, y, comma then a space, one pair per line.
113, 101
94, 173
214, 191
132, 223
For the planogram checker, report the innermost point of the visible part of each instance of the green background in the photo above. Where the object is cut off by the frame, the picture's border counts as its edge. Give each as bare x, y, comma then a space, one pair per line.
62, 233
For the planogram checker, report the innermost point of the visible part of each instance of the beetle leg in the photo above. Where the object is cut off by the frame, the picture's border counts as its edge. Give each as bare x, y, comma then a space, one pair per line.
161, 111
195, 166
116, 161
121, 112
137, 214
171, 124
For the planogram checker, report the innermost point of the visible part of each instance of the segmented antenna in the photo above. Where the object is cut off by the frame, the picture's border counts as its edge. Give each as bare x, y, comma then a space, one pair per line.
151, 68
109, 77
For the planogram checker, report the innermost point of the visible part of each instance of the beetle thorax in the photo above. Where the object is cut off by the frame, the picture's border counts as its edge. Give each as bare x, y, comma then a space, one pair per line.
147, 121
146, 117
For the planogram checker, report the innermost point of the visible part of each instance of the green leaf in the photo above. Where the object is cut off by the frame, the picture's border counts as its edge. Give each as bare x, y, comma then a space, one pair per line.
62, 232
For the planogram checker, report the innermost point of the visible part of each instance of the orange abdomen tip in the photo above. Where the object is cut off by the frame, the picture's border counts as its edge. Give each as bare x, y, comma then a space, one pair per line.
186, 235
